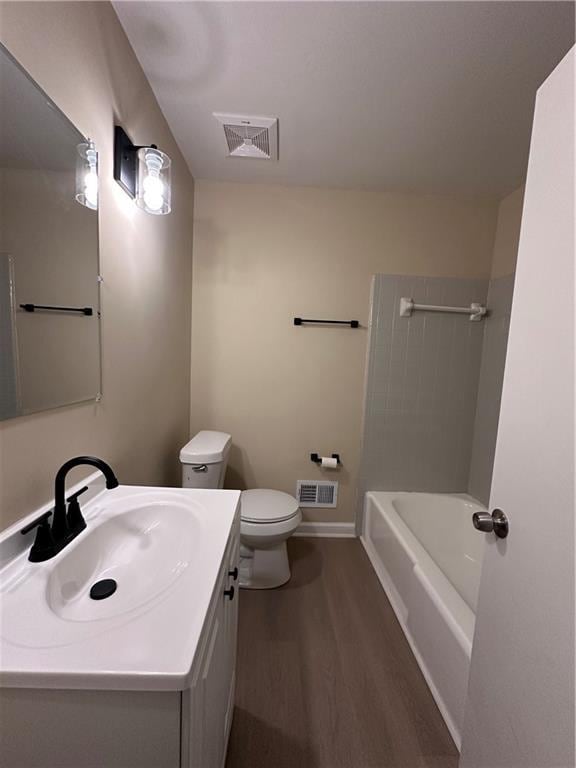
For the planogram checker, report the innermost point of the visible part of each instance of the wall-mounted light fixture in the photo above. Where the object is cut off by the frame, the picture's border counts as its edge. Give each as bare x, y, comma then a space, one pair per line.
87, 175
143, 172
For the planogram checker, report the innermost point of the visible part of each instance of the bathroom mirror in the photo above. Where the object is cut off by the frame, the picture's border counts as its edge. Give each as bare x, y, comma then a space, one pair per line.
49, 349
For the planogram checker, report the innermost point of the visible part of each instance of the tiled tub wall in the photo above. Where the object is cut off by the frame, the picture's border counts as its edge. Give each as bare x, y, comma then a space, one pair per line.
424, 377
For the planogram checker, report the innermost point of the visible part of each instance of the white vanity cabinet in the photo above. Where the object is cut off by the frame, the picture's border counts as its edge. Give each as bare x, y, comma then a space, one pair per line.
161, 728
207, 706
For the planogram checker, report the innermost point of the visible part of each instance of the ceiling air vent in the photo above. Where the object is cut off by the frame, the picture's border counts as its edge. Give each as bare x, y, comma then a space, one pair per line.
255, 137
317, 493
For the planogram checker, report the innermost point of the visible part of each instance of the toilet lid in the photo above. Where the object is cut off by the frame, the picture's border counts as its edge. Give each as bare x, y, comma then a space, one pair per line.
262, 505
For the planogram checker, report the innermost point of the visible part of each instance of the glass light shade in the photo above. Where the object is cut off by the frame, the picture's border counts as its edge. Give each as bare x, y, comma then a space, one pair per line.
153, 188
87, 175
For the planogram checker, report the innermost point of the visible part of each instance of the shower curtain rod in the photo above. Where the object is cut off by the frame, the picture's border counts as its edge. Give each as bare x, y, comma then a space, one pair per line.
475, 311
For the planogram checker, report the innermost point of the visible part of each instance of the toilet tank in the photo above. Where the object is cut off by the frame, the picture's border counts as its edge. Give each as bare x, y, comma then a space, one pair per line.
204, 460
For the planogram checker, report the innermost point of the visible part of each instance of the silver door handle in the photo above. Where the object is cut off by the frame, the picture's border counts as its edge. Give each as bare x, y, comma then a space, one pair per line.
497, 523
199, 468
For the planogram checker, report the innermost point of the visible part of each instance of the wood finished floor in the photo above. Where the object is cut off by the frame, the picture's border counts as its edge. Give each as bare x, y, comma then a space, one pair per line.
325, 676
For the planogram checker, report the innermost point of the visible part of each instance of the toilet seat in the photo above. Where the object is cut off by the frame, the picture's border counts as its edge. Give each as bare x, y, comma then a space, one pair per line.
260, 506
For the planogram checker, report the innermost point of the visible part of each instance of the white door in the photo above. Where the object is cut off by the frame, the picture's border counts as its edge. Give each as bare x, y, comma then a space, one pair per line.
520, 708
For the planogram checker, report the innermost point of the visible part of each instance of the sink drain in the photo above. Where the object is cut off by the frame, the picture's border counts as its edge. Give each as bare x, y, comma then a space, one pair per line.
103, 589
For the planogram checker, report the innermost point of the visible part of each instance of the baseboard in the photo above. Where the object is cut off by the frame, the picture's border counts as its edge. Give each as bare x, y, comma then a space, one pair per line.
328, 530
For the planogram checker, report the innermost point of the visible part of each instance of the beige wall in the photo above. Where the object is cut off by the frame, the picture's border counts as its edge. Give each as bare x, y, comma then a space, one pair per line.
507, 234
79, 54
495, 342
263, 255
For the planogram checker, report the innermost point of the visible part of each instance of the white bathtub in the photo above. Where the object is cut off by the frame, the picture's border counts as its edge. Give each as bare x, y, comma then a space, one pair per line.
428, 558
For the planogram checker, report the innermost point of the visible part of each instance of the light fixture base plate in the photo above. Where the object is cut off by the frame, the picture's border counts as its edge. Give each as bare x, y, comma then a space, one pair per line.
125, 161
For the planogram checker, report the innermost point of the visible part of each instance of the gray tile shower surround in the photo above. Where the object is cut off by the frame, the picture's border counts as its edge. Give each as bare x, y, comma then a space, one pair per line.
433, 387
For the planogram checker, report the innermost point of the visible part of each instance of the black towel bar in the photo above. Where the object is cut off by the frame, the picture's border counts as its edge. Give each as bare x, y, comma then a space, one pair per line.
351, 323
34, 307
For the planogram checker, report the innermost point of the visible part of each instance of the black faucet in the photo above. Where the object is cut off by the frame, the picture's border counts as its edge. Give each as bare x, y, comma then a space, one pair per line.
66, 524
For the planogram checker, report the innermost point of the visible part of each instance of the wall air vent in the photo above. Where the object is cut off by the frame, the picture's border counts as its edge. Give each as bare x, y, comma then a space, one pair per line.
245, 136
317, 493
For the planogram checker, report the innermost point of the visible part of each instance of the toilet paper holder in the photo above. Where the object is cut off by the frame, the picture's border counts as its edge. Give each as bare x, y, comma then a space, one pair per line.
318, 459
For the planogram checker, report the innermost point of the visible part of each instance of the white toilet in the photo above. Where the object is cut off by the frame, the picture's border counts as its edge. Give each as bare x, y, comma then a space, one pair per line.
268, 518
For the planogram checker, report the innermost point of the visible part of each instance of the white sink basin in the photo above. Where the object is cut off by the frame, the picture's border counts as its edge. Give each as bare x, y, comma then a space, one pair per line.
163, 547
144, 549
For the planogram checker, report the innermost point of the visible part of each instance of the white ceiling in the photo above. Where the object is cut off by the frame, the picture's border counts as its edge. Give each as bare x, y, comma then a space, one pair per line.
426, 96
